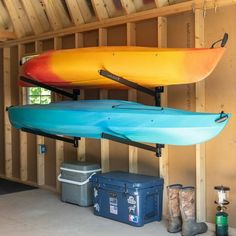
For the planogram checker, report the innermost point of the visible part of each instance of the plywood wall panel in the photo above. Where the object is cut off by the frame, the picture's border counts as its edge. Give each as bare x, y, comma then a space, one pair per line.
118, 159
68, 41
31, 139
50, 162
91, 38
92, 146
182, 162
47, 45
221, 95
148, 163
32, 158
116, 36
50, 155
146, 33
2, 159
70, 152
29, 48
15, 101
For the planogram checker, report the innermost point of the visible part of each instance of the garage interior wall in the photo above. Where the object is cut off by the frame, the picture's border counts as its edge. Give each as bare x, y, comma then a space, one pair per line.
220, 94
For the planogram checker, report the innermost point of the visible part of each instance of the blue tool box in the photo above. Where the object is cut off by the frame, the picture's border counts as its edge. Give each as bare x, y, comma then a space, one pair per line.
130, 198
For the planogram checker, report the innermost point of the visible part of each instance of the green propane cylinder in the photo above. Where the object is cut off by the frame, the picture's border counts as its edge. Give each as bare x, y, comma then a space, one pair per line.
221, 224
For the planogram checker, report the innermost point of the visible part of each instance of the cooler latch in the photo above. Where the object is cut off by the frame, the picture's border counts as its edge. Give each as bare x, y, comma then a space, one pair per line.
126, 189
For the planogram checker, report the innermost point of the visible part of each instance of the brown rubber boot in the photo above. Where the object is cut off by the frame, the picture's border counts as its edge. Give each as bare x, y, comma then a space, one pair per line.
187, 207
174, 221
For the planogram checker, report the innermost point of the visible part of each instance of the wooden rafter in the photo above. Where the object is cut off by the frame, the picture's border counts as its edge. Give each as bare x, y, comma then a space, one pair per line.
85, 11
128, 6
5, 21
4, 35
139, 16
100, 9
75, 12
111, 9
138, 4
18, 17
56, 13
161, 3
36, 15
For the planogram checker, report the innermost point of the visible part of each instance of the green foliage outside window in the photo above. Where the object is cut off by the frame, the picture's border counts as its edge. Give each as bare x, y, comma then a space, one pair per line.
37, 95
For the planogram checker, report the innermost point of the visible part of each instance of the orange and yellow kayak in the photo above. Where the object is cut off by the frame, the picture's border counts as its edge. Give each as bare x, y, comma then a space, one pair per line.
146, 66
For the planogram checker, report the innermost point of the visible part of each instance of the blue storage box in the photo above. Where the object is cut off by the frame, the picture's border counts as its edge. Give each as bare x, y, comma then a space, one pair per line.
130, 198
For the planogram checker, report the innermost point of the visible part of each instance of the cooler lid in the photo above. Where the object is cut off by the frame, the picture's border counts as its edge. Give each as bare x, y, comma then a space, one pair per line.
120, 178
78, 165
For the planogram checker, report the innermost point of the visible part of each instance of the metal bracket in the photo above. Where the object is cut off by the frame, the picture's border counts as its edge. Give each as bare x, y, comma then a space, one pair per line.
74, 141
74, 95
159, 149
126, 82
158, 91
156, 149
157, 96
155, 93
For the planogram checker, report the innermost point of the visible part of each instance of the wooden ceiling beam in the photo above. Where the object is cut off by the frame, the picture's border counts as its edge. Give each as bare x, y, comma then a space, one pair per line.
138, 4
111, 9
128, 6
56, 14
75, 12
161, 3
85, 11
5, 20
139, 16
100, 9
18, 18
36, 15
4, 35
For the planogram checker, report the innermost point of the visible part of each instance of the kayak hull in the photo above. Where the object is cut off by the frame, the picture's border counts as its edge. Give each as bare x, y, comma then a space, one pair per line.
123, 119
148, 67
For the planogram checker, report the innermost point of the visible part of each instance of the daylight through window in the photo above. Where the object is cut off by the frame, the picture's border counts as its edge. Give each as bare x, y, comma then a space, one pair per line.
37, 95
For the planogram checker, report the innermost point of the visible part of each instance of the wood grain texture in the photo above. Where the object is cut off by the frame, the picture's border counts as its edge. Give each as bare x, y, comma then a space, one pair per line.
7, 103
200, 107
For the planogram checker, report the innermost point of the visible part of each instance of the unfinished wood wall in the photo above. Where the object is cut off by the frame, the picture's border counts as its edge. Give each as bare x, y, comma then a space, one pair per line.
2, 146
220, 95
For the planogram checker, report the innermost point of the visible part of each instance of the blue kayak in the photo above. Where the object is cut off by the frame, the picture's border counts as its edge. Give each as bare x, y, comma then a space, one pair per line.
124, 119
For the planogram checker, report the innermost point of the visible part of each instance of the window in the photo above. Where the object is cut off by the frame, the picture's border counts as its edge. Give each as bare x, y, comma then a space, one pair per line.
37, 95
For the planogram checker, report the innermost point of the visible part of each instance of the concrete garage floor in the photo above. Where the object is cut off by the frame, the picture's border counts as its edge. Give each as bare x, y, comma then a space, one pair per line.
41, 213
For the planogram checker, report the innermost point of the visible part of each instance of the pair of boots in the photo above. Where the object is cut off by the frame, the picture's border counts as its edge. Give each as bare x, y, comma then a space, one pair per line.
181, 206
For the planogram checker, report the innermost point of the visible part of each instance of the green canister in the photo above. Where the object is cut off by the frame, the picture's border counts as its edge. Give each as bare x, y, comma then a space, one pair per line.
221, 224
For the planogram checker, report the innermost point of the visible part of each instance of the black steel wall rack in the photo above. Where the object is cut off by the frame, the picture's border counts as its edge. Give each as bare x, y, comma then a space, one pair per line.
156, 93
73, 96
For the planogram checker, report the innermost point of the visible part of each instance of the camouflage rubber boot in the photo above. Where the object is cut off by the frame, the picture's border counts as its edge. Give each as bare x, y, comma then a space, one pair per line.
187, 206
174, 221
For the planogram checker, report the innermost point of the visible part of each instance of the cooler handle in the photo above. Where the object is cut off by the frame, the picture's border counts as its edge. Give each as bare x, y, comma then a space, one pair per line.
74, 182
80, 171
